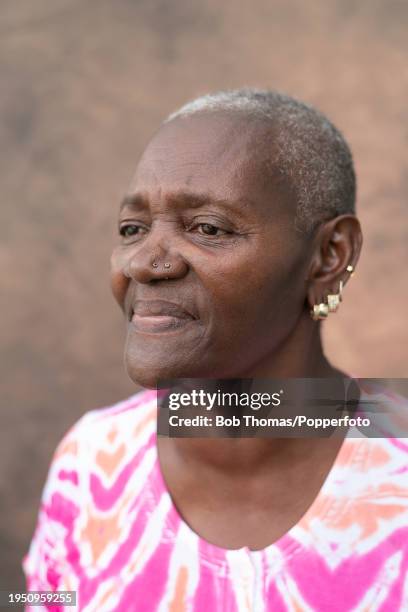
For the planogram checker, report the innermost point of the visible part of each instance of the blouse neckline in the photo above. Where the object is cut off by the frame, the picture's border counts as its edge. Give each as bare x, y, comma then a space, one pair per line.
287, 544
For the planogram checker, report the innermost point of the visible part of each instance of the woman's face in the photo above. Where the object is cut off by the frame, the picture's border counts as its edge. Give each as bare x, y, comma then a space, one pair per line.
235, 287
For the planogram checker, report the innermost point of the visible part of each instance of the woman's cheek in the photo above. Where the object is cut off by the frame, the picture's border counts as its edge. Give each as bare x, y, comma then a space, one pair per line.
118, 281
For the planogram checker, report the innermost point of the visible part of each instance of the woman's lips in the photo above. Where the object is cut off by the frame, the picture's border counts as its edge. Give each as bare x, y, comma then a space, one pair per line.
159, 323
155, 316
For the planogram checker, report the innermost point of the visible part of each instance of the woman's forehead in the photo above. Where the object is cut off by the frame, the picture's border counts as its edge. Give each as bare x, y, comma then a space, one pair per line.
197, 145
208, 155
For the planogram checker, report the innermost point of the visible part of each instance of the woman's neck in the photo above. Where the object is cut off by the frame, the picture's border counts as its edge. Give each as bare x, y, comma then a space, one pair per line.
300, 356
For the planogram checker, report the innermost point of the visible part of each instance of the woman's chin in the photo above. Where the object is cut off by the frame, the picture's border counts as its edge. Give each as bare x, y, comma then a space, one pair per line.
143, 379
151, 377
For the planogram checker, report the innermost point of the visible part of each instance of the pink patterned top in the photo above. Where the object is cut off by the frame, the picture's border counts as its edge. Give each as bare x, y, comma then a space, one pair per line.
107, 528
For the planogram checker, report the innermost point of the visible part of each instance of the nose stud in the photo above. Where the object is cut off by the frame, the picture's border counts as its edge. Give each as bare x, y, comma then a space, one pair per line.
166, 265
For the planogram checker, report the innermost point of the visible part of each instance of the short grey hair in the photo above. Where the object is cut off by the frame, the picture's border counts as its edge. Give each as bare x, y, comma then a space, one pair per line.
307, 149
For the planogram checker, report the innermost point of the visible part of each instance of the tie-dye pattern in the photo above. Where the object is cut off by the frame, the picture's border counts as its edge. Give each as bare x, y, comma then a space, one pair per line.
107, 528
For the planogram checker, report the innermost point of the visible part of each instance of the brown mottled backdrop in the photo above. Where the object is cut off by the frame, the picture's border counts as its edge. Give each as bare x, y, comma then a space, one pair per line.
83, 85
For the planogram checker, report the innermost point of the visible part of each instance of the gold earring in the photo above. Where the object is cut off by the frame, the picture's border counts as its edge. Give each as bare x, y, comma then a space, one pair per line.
320, 311
333, 300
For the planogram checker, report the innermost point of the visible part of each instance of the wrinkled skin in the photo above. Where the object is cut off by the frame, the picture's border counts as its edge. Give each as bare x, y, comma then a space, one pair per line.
247, 283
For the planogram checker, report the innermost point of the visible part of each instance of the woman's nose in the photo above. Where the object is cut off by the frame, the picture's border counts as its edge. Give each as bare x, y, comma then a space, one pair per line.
154, 262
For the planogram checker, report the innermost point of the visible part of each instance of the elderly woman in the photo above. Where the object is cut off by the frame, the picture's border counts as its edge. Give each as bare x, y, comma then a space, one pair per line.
236, 238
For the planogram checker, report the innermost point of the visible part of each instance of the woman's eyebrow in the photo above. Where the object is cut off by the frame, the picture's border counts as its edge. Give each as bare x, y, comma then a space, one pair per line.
133, 200
189, 199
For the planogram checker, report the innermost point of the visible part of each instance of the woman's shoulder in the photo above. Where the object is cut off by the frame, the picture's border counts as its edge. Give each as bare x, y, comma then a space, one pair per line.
134, 408
101, 442
112, 425
386, 409
104, 447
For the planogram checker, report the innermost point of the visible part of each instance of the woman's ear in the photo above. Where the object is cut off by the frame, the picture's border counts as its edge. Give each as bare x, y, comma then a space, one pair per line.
337, 246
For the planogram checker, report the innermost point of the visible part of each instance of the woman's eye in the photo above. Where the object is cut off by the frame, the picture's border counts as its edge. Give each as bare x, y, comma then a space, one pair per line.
210, 230
131, 230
